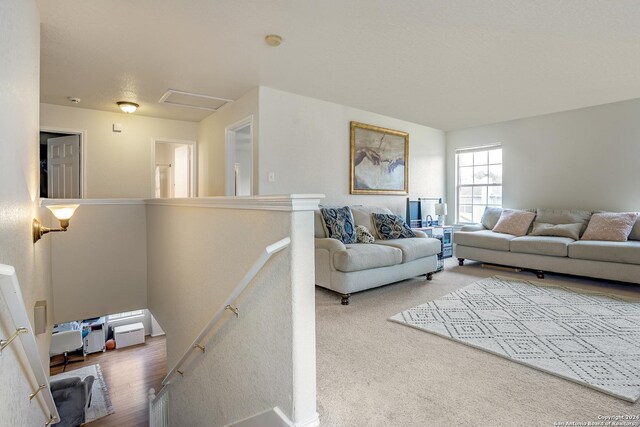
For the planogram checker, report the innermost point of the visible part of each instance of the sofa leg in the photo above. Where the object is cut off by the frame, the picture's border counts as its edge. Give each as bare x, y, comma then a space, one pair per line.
460, 261
429, 276
540, 274
345, 299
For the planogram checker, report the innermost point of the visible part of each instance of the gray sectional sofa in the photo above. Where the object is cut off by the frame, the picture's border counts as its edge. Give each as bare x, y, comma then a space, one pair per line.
592, 258
349, 268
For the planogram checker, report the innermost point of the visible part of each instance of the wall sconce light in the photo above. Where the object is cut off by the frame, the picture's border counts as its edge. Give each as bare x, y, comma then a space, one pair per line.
128, 107
62, 212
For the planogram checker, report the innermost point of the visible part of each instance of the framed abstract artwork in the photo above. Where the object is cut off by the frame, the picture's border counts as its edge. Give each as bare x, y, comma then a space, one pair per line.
379, 160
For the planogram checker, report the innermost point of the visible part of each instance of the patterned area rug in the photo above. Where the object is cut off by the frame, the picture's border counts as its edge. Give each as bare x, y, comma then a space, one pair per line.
100, 400
592, 339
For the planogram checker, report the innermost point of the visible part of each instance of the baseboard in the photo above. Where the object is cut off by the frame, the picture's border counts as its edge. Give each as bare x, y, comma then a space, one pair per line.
274, 418
311, 422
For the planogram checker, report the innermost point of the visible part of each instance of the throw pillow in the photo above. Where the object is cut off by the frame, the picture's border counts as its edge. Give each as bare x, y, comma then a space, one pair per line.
391, 226
614, 227
490, 217
514, 222
363, 235
562, 230
339, 224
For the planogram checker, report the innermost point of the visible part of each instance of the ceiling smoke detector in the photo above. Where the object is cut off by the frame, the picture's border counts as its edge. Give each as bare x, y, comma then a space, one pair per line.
74, 100
273, 40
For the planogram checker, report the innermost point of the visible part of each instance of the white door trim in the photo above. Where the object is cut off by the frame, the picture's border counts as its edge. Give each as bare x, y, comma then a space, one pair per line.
230, 140
83, 136
194, 163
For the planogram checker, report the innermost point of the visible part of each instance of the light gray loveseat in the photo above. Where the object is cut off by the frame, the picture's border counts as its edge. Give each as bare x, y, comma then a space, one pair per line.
349, 268
591, 258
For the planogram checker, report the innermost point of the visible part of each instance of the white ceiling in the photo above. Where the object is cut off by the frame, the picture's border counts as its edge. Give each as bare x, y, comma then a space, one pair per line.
448, 64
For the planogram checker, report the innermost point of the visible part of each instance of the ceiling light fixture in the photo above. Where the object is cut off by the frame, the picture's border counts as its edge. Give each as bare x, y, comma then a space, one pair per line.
273, 40
128, 107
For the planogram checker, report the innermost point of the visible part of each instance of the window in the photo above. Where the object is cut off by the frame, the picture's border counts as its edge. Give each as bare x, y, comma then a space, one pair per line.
479, 182
126, 314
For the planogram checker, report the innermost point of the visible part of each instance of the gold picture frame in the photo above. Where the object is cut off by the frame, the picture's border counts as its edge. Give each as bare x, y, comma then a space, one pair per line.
379, 160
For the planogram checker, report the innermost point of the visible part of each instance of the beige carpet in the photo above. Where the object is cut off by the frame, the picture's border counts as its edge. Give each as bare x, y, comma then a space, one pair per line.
372, 372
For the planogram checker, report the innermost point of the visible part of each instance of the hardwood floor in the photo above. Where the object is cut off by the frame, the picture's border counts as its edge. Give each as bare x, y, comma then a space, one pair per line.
129, 373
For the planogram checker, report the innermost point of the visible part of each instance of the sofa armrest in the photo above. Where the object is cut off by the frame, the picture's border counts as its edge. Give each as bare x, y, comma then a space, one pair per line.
473, 227
420, 234
329, 244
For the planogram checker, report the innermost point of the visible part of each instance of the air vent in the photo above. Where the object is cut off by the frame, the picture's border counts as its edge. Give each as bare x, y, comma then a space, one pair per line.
192, 100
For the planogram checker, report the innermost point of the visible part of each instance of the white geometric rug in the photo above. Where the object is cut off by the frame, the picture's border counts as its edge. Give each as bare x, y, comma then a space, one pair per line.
100, 400
591, 339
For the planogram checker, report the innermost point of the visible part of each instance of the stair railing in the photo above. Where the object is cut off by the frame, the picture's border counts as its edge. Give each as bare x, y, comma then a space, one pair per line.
158, 403
10, 289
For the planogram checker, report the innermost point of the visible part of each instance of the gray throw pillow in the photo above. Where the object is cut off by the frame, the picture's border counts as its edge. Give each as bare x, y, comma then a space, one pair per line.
391, 226
562, 230
339, 224
490, 217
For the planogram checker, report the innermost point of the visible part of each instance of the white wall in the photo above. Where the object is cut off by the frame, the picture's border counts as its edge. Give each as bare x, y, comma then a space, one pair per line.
99, 265
212, 145
579, 159
305, 142
117, 165
19, 176
261, 359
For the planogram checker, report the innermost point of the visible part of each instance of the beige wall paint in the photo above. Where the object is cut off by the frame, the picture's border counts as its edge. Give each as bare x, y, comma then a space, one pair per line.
99, 266
261, 359
19, 177
305, 142
579, 159
212, 144
117, 165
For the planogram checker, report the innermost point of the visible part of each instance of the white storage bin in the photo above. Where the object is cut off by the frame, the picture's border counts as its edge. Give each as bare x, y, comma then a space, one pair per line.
128, 335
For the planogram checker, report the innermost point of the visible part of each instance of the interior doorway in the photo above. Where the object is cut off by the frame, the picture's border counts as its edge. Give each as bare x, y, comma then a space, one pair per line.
60, 157
174, 168
239, 161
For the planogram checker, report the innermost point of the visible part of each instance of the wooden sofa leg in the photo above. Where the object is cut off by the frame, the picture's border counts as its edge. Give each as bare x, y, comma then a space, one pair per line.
540, 274
460, 261
345, 299
429, 276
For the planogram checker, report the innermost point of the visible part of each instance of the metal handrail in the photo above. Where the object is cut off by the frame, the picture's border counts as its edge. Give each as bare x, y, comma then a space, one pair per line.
10, 289
197, 343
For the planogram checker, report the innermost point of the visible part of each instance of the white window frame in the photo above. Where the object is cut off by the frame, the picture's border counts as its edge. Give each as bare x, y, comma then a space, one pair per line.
457, 177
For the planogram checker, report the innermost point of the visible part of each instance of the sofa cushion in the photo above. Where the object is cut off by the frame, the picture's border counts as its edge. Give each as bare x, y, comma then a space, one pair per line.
564, 216
597, 250
390, 226
610, 226
561, 230
339, 224
486, 239
357, 257
363, 235
362, 216
541, 245
635, 231
414, 248
515, 222
318, 224
490, 217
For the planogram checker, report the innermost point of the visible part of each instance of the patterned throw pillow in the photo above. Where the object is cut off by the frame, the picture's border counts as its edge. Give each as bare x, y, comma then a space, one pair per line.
363, 235
339, 224
613, 227
514, 222
391, 226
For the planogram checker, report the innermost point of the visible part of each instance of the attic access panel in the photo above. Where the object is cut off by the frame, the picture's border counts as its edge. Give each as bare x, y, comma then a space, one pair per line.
192, 100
